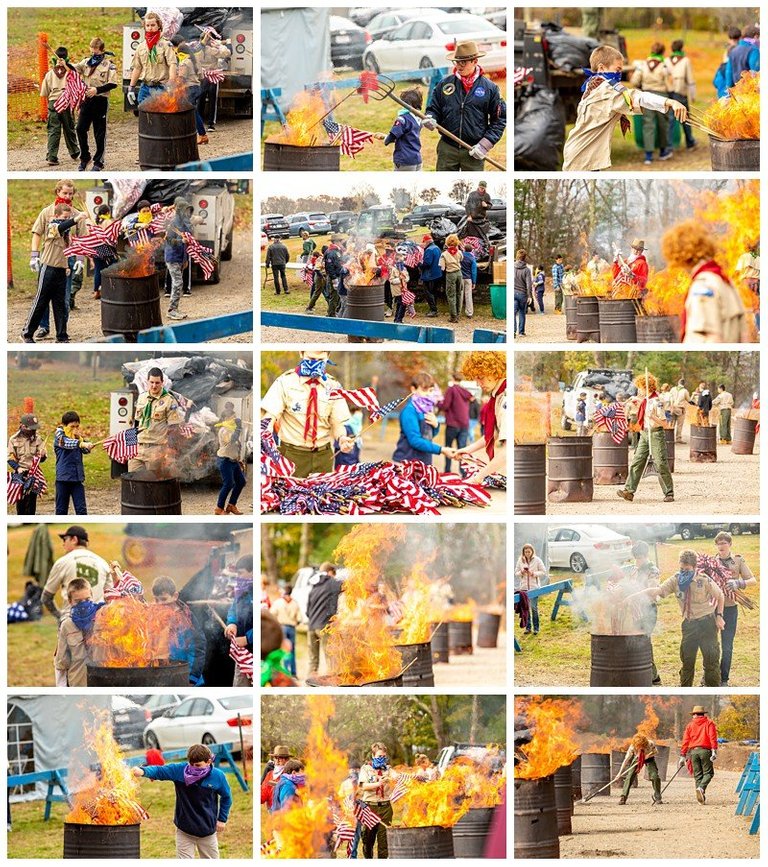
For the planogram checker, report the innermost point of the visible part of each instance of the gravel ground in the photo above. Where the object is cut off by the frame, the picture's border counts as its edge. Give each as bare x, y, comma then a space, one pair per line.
700, 489
679, 828
122, 153
234, 293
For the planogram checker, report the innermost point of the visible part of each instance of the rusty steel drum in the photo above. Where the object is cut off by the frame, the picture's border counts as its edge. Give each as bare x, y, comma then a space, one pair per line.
167, 139
564, 799
471, 832
488, 625
460, 637
536, 834
417, 664
530, 479
657, 329
662, 762
595, 773
173, 674
610, 460
703, 444
102, 841
742, 155
576, 778
587, 319
143, 494
569, 475
333, 680
129, 304
621, 660
366, 302
617, 320
569, 311
439, 642
743, 430
420, 842
296, 158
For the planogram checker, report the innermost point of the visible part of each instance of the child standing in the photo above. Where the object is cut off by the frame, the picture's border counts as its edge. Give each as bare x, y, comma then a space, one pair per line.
450, 263
189, 72
419, 425
406, 134
100, 74
652, 76
468, 279
398, 280
308, 246
103, 219
581, 415
240, 615
203, 801
606, 102
71, 655
186, 641
24, 448
175, 253
58, 121
539, 284
154, 63
69, 448
683, 87
558, 273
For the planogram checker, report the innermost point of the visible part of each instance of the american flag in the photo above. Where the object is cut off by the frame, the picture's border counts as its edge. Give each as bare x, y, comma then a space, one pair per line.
365, 398
140, 238
272, 462
243, 659
73, 93
353, 140
331, 127
160, 219
34, 482
270, 849
385, 410
187, 431
521, 74
122, 446
401, 787
413, 254
365, 815
199, 254
308, 276
215, 76
613, 418
408, 297
127, 585
99, 243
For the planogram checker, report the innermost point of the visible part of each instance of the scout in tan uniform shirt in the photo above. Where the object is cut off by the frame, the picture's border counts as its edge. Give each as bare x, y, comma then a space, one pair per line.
215, 55
305, 417
605, 103
23, 447
100, 74
741, 578
71, 657
652, 77
154, 63
724, 403
683, 85
58, 121
157, 413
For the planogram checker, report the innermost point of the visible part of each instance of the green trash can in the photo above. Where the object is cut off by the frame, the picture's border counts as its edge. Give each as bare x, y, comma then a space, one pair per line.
499, 300
637, 130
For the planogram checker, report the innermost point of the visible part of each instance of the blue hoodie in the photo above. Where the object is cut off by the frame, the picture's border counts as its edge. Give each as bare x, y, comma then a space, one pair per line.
469, 266
415, 441
241, 613
430, 267
405, 133
199, 806
69, 457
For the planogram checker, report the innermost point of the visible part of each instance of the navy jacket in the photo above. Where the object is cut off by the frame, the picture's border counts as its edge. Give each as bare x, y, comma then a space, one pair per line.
743, 57
332, 261
430, 266
175, 250
69, 458
406, 134
469, 266
481, 113
241, 613
415, 443
347, 459
199, 806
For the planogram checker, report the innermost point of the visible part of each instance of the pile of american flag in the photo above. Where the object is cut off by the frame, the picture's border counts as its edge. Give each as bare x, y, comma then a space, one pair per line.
469, 465
99, 243
22, 485
411, 251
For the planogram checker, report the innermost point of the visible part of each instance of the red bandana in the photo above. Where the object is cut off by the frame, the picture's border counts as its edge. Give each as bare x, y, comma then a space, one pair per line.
469, 80
488, 418
60, 201
152, 39
640, 760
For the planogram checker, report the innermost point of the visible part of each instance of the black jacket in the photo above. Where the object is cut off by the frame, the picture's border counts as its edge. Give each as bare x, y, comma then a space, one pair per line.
473, 204
323, 601
277, 255
481, 113
332, 262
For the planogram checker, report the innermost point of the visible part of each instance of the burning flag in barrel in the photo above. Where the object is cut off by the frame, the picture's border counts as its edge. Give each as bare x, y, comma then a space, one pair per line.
167, 130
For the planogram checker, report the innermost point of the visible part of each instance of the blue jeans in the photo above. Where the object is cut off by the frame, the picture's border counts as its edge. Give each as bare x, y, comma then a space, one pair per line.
290, 633
194, 92
534, 603
688, 132
521, 301
731, 618
458, 435
233, 481
74, 491
145, 91
45, 322
540, 299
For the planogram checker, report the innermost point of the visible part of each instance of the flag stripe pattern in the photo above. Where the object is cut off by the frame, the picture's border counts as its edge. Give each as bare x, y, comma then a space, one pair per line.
19, 486
99, 243
199, 254
122, 446
215, 76
128, 585
73, 93
613, 418
353, 140
365, 815
365, 398
243, 659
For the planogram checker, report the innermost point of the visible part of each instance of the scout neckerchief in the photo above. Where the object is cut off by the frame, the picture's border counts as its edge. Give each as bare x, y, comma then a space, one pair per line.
313, 369
684, 581
83, 613
152, 39
642, 408
676, 57
654, 60
468, 80
593, 80
640, 760
273, 669
146, 413
488, 418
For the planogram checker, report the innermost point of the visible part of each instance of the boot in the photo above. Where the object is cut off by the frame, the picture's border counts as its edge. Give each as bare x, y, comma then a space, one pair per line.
623, 799
233, 510
700, 797
202, 139
218, 511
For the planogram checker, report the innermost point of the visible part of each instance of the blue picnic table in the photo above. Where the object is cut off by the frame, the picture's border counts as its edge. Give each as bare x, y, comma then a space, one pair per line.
748, 789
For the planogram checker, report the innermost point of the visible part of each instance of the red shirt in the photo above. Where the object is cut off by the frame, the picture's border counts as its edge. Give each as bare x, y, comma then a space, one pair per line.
700, 732
639, 269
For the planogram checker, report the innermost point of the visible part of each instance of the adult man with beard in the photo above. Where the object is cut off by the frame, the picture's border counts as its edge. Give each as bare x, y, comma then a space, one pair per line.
157, 416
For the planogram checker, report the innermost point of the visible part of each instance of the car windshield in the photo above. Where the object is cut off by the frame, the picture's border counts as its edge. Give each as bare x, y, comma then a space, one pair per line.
456, 26
237, 702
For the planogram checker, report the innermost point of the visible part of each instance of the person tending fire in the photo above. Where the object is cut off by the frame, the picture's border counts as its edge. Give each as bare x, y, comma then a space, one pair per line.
646, 573
640, 754
375, 785
633, 270
741, 578
154, 63
157, 417
299, 404
699, 750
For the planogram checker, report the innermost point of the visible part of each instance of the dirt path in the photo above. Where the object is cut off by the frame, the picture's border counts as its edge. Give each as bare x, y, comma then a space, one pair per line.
684, 160
233, 294
547, 327
122, 154
485, 665
679, 828
729, 487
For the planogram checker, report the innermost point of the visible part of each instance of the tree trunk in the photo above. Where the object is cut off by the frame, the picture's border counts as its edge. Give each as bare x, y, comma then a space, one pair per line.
438, 723
268, 553
474, 720
304, 546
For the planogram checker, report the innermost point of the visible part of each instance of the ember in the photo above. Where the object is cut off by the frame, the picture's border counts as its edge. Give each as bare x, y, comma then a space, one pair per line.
737, 117
554, 741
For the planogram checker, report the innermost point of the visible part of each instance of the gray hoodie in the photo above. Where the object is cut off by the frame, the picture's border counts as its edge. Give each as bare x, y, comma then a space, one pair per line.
523, 279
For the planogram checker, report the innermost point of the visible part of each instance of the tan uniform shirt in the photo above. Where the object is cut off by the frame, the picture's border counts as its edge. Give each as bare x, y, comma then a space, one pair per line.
738, 565
24, 450
71, 653
679, 396
657, 80
286, 403
98, 76
588, 147
80, 563
748, 266
571, 283
52, 86
190, 70
501, 418
212, 53
369, 775
713, 310
228, 448
724, 400
165, 412
53, 245
286, 611
631, 754
159, 71
704, 594
681, 75
449, 262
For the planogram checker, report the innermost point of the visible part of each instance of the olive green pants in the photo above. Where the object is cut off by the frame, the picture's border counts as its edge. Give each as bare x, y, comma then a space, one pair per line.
655, 445
61, 122
452, 158
378, 834
653, 775
701, 635
703, 771
453, 288
307, 461
725, 425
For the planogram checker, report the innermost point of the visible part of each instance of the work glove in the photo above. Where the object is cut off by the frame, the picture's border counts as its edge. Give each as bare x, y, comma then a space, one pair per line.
77, 268
34, 261
131, 96
481, 149
735, 584
681, 761
429, 123
713, 756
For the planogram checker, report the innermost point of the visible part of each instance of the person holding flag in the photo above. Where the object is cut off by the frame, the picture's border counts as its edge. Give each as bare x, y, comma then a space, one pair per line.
239, 628
419, 425
154, 64
375, 785
99, 74
157, 417
26, 451
59, 122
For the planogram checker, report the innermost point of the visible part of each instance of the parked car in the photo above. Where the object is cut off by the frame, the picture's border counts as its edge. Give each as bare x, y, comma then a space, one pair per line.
422, 215
158, 705
348, 42
587, 546
128, 722
275, 226
657, 532
709, 531
361, 15
202, 720
481, 754
386, 21
423, 43
315, 224
342, 221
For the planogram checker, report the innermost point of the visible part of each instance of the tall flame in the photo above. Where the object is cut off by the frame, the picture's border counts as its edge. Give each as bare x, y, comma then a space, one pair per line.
173, 98
554, 742
302, 121
421, 610
737, 117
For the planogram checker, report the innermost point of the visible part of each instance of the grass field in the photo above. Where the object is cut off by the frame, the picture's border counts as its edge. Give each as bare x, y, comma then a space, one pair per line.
73, 28
31, 837
378, 117
560, 654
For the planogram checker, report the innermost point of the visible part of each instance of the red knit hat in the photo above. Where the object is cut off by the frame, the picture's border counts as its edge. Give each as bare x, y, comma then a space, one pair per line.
426, 238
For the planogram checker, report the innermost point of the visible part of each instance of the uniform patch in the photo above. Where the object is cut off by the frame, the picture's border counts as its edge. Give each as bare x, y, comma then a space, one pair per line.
703, 292
449, 89
296, 407
479, 91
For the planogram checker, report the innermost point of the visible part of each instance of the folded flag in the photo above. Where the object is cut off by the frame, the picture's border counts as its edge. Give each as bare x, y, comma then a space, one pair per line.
73, 93
243, 659
122, 446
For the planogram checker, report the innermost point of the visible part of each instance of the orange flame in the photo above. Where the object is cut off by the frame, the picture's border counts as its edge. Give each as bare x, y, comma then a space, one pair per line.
421, 610
140, 262
554, 741
464, 613
302, 121
168, 101
737, 117
111, 798
533, 414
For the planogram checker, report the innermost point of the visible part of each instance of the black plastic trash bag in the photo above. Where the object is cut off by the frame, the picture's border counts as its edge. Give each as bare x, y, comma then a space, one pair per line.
540, 131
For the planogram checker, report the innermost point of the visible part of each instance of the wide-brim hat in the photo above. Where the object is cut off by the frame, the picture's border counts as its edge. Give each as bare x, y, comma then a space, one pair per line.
281, 752
638, 244
465, 51
698, 709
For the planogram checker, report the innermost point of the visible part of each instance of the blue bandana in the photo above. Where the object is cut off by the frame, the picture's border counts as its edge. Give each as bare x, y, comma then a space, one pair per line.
83, 613
684, 578
610, 77
311, 367
379, 763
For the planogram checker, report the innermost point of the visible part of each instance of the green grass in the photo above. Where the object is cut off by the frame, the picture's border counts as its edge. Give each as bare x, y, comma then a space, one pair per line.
378, 116
60, 385
73, 28
31, 837
560, 654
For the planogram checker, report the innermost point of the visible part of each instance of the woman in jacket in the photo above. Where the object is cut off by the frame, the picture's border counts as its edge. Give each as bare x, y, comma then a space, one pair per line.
529, 572
228, 460
418, 424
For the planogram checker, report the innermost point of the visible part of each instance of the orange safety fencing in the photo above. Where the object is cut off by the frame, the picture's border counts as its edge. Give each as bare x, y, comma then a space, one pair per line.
27, 65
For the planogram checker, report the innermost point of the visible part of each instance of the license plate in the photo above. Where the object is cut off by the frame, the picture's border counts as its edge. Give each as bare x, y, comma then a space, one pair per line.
343, 40
486, 46
122, 717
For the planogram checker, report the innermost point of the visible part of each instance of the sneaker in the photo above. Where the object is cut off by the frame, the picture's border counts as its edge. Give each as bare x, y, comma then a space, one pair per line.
52, 162
648, 158
83, 167
285, 292
656, 681
670, 498
211, 127
625, 495
43, 332
657, 799
187, 293
522, 334
387, 314
309, 309
25, 339
700, 796
97, 167
431, 314
75, 156
666, 154
453, 319
63, 340
175, 314
691, 146
167, 293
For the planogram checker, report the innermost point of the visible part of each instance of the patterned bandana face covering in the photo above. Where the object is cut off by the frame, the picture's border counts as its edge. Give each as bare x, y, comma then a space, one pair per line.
684, 578
610, 77
83, 613
193, 775
422, 403
379, 762
312, 367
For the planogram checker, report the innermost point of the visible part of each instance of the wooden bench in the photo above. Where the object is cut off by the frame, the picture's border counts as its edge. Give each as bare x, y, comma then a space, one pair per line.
435, 74
748, 789
358, 327
559, 587
54, 780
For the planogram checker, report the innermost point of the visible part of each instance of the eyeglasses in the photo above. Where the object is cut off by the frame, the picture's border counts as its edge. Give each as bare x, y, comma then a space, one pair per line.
465, 62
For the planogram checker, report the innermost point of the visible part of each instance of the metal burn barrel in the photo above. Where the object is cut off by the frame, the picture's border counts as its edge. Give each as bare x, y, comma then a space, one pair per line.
471, 831
172, 674
569, 309
460, 637
564, 799
595, 773
366, 302
621, 660
142, 495
617, 320
431, 841
488, 625
610, 460
576, 778
657, 329
662, 761
536, 834
617, 757
333, 680
420, 672
102, 841
530, 479
743, 436
569, 475
587, 319
167, 139
703, 444
439, 642
129, 304
742, 155
280, 157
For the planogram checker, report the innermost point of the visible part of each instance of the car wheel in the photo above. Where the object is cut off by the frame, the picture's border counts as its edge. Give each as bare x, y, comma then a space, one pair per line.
686, 533
565, 424
735, 529
426, 63
578, 564
370, 62
208, 739
151, 741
